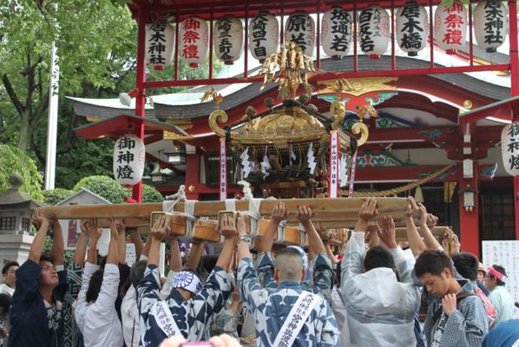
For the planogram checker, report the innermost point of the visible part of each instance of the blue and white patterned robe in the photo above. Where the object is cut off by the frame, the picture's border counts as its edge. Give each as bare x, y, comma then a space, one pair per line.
192, 316
271, 308
323, 275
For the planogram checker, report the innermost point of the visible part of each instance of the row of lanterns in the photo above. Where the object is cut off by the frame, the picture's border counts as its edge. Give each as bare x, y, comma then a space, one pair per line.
374, 30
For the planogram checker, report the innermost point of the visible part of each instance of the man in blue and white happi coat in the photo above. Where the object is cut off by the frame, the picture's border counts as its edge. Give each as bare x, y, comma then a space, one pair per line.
319, 277
188, 309
289, 315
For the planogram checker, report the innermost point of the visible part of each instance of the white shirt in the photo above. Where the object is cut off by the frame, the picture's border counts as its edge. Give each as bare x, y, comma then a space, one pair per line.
98, 322
503, 303
5, 289
130, 312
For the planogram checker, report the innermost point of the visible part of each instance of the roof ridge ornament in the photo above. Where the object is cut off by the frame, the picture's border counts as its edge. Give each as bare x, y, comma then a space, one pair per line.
16, 181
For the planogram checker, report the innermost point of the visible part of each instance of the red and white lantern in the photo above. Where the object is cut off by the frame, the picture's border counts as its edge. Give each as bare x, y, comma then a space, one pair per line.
300, 29
450, 26
194, 41
412, 28
228, 39
129, 158
336, 29
374, 31
160, 42
263, 36
510, 148
491, 24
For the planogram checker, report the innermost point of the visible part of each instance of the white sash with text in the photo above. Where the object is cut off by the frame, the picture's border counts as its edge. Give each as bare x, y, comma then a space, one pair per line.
160, 311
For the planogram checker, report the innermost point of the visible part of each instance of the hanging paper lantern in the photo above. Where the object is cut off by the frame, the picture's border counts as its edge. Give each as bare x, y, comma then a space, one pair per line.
129, 157
160, 42
510, 148
491, 24
374, 31
336, 27
194, 38
228, 39
300, 29
450, 26
412, 28
263, 36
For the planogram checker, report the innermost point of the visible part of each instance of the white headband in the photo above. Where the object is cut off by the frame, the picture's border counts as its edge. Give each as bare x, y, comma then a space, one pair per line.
187, 280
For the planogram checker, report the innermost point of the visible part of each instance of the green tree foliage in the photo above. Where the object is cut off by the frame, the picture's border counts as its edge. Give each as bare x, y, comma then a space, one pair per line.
103, 186
150, 194
96, 45
13, 160
55, 196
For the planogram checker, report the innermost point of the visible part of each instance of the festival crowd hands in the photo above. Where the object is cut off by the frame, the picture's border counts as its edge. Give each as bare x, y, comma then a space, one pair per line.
219, 287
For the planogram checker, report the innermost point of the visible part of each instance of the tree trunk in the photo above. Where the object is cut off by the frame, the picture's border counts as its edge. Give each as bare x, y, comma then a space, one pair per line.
24, 140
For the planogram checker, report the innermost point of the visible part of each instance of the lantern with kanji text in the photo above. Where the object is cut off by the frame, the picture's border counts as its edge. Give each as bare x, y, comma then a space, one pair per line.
160, 42
193, 41
510, 148
412, 28
336, 28
450, 26
129, 159
228, 39
263, 35
374, 31
491, 24
300, 29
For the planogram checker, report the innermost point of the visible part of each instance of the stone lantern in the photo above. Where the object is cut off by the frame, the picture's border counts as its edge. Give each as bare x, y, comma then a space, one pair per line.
16, 210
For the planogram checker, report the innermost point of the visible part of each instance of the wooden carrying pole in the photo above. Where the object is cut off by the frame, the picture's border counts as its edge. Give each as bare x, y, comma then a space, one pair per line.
332, 213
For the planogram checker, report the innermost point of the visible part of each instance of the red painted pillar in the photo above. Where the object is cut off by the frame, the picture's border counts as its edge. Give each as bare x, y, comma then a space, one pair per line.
192, 175
140, 100
514, 73
469, 220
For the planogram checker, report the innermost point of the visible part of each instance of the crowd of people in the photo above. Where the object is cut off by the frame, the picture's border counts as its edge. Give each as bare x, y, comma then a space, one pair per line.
378, 292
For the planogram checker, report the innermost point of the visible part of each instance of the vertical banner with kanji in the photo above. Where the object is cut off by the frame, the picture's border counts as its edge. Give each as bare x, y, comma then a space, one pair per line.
333, 187
352, 175
223, 170
510, 148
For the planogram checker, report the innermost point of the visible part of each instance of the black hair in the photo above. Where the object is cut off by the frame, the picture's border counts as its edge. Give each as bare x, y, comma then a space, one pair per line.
378, 257
467, 265
8, 265
5, 303
433, 262
94, 287
499, 269
209, 262
47, 257
137, 272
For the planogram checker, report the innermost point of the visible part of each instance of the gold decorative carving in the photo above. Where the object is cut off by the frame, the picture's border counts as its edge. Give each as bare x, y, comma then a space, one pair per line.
362, 129
215, 117
184, 124
338, 110
357, 86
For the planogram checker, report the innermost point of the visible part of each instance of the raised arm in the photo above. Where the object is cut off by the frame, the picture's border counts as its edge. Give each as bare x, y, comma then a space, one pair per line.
81, 247
121, 239
413, 237
305, 215
114, 256
95, 235
175, 262
429, 239
279, 214
39, 240
58, 243
228, 229
197, 249
137, 241
157, 234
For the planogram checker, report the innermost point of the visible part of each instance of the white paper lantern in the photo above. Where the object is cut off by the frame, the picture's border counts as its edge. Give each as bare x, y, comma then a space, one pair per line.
263, 36
300, 29
491, 24
412, 28
510, 148
336, 28
374, 31
160, 42
228, 39
129, 158
450, 27
194, 41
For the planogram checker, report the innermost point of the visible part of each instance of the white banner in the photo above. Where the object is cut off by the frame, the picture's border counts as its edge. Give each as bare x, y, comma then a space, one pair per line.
333, 187
223, 170
352, 174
